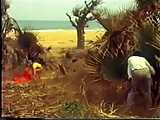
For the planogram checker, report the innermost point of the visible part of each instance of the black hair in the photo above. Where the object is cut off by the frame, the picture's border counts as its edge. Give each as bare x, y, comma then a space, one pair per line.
138, 53
29, 63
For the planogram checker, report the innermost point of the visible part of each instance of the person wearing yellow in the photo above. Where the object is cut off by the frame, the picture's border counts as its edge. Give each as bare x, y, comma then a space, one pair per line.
35, 67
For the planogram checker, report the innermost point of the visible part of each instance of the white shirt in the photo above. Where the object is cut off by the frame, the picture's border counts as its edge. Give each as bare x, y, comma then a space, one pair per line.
138, 63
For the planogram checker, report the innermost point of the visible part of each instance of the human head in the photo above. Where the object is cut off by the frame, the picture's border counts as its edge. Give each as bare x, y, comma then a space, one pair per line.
29, 63
137, 53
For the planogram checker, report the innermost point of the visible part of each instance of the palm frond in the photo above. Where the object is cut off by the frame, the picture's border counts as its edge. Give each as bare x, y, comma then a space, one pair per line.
16, 27
27, 39
4, 6
125, 34
119, 43
107, 61
147, 37
107, 18
106, 68
142, 2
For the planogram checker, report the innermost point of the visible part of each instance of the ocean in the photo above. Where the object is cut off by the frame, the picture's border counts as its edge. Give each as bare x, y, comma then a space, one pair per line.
54, 25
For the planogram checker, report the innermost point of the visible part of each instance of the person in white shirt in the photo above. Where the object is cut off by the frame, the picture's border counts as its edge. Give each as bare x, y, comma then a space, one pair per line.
139, 71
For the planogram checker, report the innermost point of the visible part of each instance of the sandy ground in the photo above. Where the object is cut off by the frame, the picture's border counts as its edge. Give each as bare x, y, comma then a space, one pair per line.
61, 37
67, 37
17, 99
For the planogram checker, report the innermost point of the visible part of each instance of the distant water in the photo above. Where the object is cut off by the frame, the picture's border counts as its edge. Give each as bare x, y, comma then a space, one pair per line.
53, 25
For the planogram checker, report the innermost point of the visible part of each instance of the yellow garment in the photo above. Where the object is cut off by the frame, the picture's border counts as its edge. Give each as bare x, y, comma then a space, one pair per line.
37, 66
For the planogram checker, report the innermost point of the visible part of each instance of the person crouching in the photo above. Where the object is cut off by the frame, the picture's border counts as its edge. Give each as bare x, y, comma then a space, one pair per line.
35, 68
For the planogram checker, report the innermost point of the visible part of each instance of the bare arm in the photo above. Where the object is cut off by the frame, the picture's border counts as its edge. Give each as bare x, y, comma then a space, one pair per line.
129, 70
150, 68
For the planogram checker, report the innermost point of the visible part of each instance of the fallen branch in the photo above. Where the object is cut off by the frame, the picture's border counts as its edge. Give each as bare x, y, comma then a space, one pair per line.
112, 110
96, 80
83, 92
62, 69
100, 111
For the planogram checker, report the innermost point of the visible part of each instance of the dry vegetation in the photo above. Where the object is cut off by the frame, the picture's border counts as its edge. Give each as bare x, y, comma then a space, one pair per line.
65, 89
47, 96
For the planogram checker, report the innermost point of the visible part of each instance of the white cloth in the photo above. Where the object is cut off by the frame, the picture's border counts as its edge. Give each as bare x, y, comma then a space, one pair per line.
138, 63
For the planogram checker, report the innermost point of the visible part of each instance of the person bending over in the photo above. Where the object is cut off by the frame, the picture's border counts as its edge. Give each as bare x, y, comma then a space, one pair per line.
34, 67
139, 71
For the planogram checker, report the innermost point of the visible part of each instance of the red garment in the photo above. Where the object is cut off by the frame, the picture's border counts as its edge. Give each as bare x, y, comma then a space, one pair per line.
26, 77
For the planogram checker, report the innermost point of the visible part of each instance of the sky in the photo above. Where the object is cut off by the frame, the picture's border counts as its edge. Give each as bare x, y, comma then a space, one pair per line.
54, 9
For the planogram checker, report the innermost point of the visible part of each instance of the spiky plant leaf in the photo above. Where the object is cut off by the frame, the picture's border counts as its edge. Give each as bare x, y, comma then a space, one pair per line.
114, 68
119, 43
27, 39
156, 44
109, 60
105, 67
149, 42
33, 50
148, 35
142, 2
4, 6
107, 18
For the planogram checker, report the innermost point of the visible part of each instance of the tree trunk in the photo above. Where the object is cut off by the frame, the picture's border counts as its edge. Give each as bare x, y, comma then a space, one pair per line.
80, 37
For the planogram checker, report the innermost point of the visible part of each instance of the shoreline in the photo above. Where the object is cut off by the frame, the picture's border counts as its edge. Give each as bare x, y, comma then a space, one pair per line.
56, 30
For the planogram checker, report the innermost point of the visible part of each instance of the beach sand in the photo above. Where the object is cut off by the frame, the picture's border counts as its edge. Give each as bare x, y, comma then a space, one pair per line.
62, 39
65, 38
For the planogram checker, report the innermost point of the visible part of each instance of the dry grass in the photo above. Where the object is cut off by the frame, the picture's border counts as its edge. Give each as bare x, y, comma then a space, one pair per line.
44, 97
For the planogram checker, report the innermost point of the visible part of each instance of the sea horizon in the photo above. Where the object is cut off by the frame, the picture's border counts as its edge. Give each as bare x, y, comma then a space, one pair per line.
54, 25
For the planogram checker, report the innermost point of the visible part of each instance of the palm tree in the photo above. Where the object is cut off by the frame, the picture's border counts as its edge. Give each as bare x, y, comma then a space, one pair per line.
119, 44
8, 23
125, 33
